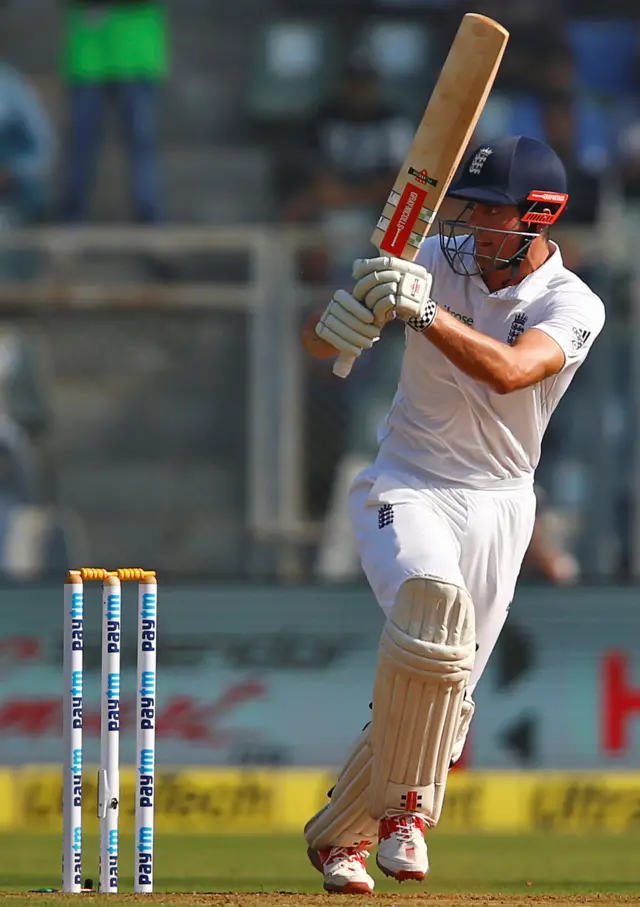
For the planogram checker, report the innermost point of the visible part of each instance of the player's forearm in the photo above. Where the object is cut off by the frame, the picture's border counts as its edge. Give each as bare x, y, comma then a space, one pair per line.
477, 355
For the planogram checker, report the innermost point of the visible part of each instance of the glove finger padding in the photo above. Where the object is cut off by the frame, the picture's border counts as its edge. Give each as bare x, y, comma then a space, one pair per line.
384, 310
372, 280
341, 345
346, 301
367, 331
381, 291
347, 325
381, 300
364, 266
386, 284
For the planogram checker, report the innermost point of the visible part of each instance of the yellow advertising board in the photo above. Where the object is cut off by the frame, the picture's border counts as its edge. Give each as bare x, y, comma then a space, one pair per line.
274, 801
9, 810
191, 800
544, 802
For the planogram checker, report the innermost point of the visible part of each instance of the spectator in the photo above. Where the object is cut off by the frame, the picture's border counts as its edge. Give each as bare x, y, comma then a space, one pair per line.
537, 57
560, 128
548, 556
26, 517
355, 144
114, 49
26, 156
629, 161
26, 150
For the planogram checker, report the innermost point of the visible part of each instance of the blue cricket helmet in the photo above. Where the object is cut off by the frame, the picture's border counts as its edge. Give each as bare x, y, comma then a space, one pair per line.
519, 171
507, 171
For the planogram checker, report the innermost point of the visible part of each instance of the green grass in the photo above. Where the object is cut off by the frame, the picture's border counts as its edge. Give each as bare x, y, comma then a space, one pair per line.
553, 864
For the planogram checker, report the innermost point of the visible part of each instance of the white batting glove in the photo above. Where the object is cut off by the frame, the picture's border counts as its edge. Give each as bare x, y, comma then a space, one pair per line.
392, 287
348, 325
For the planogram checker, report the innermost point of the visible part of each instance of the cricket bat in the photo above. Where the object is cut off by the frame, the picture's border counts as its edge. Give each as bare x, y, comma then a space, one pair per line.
439, 143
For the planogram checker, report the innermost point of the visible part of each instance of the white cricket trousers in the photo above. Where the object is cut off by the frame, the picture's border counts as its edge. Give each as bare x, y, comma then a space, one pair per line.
474, 538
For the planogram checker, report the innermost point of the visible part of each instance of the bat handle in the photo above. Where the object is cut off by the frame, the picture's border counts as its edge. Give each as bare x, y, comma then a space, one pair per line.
343, 365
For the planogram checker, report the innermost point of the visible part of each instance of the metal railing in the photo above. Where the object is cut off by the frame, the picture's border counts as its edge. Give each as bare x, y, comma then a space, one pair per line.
271, 297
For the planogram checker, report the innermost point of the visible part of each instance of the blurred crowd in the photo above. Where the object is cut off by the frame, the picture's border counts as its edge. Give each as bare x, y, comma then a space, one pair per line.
110, 55
332, 97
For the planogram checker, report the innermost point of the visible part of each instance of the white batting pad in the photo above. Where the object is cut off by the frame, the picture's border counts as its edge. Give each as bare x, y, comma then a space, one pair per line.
466, 714
344, 821
425, 659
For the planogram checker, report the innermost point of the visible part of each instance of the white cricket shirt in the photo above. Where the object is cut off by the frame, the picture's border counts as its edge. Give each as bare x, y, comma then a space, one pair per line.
446, 424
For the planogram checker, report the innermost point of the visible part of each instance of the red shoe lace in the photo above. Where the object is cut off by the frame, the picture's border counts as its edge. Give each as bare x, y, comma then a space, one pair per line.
402, 826
347, 853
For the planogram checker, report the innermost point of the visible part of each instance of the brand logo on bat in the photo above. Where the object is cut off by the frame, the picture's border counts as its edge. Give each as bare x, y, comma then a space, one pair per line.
422, 176
406, 215
404, 219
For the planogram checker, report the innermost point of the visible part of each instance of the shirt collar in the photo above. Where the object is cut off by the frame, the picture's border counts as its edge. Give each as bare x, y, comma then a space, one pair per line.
529, 288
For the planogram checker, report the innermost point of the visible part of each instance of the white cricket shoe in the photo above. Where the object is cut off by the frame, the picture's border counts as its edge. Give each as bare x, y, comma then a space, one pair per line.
344, 869
402, 850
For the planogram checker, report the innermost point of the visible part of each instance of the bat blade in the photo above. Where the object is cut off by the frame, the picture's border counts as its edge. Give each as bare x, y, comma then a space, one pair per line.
440, 142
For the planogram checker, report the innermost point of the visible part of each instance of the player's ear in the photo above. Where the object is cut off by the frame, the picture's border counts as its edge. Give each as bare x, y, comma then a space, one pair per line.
544, 230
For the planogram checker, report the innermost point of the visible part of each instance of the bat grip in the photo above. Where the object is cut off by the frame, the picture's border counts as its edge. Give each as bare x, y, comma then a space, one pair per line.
343, 365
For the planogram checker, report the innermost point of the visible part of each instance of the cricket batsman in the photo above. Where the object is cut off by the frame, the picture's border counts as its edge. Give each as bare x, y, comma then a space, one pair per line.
496, 328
